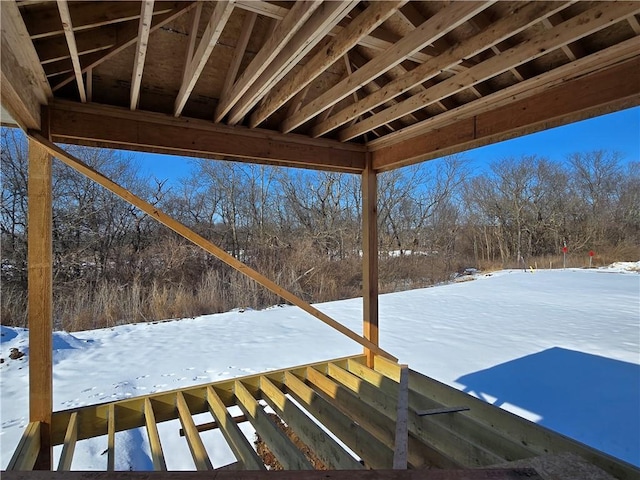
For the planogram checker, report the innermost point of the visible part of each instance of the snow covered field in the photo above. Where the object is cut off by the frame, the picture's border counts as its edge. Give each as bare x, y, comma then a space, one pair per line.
561, 348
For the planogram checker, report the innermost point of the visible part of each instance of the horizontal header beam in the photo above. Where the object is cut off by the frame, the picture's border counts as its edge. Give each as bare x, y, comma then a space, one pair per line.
605, 91
119, 128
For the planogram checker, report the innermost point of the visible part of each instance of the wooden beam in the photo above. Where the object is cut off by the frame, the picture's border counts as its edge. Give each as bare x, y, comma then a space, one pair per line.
590, 21
236, 440
374, 15
323, 446
536, 437
70, 438
445, 20
488, 474
359, 410
458, 430
370, 257
377, 40
238, 53
89, 16
200, 241
275, 43
40, 298
598, 61
520, 18
401, 445
198, 452
129, 35
54, 49
26, 453
205, 427
144, 27
374, 452
23, 83
431, 442
193, 37
92, 420
157, 455
111, 437
606, 91
113, 127
280, 445
572, 51
217, 22
313, 32
67, 25
89, 84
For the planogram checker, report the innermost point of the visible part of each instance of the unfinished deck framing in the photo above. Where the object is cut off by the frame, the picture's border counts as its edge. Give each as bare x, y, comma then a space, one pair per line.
353, 87
340, 399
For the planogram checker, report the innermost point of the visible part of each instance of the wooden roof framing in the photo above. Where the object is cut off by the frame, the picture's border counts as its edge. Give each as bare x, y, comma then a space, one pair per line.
277, 67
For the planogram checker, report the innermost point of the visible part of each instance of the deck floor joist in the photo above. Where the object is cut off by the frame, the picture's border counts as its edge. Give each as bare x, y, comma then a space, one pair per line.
328, 405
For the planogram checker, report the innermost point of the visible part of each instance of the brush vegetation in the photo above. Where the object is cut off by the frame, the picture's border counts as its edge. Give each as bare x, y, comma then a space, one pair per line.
114, 265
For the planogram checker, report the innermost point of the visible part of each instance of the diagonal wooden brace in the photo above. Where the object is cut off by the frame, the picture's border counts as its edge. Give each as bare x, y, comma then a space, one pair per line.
200, 241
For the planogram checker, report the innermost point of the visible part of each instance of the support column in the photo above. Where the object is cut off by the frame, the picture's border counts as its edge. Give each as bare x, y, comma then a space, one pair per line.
370, 256
40, 303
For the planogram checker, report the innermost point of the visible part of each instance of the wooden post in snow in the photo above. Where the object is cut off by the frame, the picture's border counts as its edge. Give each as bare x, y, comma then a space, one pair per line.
370, 257
40, 293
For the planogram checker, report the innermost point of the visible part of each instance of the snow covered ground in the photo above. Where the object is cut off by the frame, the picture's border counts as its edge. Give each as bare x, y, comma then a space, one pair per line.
560, 347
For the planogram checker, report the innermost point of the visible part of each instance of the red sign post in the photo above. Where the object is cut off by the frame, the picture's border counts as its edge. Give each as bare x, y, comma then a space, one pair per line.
591, 254
564, 256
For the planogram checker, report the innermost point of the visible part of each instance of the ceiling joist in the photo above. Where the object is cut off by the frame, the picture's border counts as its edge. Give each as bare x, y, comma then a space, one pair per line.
238, 54
450, 17
217, 22
276, 42
580, 98
370, 75
23, 83
320, 23
520, 18
373, 16
598, 17
67, 25
602, 60
129, 35
141, 51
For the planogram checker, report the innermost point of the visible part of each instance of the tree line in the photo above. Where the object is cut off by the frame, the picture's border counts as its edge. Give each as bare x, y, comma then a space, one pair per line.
113, 264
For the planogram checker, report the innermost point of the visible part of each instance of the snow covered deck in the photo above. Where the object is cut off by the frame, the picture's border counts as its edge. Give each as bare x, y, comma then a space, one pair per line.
349, 415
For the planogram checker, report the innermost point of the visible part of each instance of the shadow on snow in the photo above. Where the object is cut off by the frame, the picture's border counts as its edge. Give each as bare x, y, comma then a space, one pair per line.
580, 395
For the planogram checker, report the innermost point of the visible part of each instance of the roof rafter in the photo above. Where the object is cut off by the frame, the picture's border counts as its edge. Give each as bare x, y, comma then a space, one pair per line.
374, 15
448, 18
23, 83
313, 32
587, 65
91, 15
520, 18
129, 35
277, 41
542, 103
55, 48
594, 19
146, 13
572, 51
238, 54
377, 39
217, 22
67, 25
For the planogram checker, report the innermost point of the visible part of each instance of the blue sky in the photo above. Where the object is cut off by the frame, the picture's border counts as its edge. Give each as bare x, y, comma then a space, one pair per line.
618, 132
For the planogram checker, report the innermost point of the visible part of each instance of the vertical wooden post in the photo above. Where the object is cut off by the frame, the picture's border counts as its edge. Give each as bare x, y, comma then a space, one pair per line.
40, 303
370, 257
